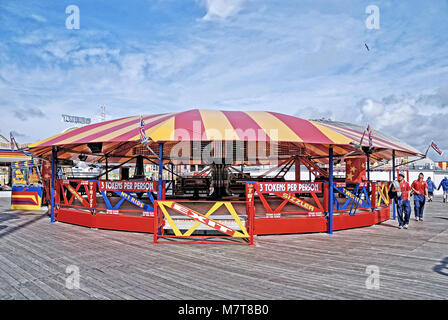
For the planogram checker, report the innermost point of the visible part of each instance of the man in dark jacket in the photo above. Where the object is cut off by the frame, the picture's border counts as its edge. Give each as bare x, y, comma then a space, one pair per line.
444, 185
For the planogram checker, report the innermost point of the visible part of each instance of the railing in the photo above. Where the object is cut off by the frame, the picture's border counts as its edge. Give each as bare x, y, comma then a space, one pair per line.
310, 199
360, 197
82, 194
269, 208
181, 221
291, 199
381, 194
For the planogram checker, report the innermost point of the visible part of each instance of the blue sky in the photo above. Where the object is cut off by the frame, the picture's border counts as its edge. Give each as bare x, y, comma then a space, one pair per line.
305, 58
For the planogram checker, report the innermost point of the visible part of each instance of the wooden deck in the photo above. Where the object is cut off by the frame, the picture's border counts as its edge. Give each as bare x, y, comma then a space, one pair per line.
34, 255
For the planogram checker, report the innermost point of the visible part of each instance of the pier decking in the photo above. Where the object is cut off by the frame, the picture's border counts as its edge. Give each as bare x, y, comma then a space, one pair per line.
34, 255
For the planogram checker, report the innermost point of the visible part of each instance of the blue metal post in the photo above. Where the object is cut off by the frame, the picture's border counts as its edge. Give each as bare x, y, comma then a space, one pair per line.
331, 191
393, 179
368, 167
160, 193
54, 154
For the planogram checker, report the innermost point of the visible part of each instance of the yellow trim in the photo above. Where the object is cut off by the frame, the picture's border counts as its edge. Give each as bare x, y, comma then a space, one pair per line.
382, 195
35, 197
215, 207
168, 217
25, 207
232, 211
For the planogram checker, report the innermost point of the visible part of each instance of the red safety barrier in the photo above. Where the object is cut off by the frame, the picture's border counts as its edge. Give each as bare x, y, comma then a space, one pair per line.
269, 208
116, 208
302, 198
68, 195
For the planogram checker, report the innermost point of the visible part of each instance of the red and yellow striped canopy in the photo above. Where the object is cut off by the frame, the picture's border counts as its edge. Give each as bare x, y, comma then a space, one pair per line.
13, 156
121, 135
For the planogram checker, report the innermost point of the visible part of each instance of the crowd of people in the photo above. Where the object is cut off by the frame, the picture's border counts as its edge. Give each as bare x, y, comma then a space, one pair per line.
420, 190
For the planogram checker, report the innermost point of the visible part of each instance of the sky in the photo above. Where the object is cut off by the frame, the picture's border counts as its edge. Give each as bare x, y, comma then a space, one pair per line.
303, 58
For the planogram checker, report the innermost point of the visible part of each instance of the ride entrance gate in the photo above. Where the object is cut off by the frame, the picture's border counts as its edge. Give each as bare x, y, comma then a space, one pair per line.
192, 222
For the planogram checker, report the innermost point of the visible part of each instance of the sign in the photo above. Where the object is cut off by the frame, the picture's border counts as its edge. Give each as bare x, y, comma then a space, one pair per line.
355, 198
299, 202
25, 172
135, 186
75, 119
133, 200
289, 187
33, 176
19, 177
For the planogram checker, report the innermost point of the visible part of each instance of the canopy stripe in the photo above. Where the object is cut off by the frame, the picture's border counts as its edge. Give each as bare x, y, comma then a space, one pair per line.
210, 125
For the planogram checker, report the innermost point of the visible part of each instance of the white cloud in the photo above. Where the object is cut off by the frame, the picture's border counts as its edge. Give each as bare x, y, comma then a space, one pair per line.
38, 18
284, 58
415, 119
221, 9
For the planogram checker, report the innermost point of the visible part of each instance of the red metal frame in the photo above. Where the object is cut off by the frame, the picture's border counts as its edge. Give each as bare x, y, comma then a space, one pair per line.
289, 196
86, 203
260, 212
86, 212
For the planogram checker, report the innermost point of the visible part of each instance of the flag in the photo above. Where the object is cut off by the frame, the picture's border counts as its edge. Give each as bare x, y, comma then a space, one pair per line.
142, 132
442, 165
13, 142
369, 132
355, 169
436, 148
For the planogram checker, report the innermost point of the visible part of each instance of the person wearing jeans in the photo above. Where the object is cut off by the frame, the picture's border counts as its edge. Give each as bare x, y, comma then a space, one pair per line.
403, 203
420, 190
444, 185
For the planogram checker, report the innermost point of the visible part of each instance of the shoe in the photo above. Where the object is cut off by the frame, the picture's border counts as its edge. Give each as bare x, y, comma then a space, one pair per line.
405, 226
416, 219
421, 219
400, 227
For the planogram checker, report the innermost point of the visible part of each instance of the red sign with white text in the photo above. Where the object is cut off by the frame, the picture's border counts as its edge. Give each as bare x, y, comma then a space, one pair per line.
289, 187
136, 186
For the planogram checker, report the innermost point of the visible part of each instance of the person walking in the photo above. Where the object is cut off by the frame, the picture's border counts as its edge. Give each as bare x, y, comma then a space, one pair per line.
402, 189
444, 185
431, 188
420, 190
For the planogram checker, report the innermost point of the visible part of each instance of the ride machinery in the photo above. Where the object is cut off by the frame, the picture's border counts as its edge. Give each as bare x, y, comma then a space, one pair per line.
226, 200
